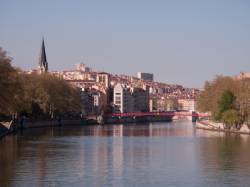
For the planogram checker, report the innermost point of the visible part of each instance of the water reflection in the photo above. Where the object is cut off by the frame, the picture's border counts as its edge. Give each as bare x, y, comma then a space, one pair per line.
155, 154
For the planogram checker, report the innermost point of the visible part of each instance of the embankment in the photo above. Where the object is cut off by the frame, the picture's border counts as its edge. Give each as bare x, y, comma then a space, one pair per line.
213, 126
9, 127
136, 119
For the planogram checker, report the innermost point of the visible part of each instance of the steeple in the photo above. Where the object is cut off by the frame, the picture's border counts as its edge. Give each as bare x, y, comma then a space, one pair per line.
42, 64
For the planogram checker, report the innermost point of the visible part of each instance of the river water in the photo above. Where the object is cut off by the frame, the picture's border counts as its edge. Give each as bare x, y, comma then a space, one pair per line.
152, 154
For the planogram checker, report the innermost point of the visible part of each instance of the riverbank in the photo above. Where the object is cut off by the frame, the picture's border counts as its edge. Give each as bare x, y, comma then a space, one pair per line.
213, 126
10, 127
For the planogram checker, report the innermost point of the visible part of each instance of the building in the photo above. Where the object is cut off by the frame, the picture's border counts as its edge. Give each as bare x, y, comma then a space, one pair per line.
141, 99
87, 102
103, 78
187, 104
97, 102
145, 76
42, 64
243, 75
82, 67
123, 100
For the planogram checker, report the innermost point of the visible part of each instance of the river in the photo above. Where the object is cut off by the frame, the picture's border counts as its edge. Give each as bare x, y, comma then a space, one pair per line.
152, 154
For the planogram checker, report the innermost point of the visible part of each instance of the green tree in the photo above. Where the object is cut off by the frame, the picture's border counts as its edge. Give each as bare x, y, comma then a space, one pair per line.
35, 94
231, 118
226, 102
210, 98
10, 86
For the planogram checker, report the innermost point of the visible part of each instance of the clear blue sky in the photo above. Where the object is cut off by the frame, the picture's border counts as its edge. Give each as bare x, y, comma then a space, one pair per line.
184, 42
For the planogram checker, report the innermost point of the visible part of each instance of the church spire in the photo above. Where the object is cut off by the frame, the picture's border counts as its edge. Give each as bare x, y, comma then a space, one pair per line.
43, 64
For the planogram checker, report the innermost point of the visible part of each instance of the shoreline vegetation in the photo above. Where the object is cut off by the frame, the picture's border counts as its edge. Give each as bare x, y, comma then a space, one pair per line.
26, 98
227, 99
35, 96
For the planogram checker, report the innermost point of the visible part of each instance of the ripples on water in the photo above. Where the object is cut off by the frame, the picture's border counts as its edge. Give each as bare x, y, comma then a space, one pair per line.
155, 154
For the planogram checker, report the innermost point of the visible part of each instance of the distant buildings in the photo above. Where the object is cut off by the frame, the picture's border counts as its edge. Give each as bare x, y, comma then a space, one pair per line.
82, 67
130, 99
243, 75
145, 76
105, 92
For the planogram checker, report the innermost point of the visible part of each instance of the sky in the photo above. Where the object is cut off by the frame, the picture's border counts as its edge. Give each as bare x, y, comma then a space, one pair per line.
180, 41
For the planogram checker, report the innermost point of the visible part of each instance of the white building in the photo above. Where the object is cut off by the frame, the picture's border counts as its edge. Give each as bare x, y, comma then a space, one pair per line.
123, 100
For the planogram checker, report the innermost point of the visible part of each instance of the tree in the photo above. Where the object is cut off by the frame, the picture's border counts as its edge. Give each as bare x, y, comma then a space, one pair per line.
209, 99
243, 98
10, 87
225, 103
35, 94
231, 118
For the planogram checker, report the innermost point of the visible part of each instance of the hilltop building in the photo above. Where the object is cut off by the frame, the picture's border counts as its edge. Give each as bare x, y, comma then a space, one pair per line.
243, 75
145, 76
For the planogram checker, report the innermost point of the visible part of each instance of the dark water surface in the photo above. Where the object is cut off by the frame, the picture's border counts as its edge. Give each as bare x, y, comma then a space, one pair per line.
155, 154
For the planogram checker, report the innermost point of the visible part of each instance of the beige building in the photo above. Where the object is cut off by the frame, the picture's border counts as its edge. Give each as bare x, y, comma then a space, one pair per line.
103, 78
187, 104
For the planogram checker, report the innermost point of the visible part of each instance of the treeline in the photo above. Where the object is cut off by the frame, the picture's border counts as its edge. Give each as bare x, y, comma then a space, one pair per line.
228, 100
33, 94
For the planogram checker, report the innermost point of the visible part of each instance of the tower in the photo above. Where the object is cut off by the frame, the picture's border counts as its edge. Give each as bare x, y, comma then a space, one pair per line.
42, 64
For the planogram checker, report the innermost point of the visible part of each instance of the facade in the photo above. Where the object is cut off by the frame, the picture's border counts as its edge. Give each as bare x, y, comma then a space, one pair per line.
96, 102
123, 100
103, 78
42, 64
141, 99
77, 75
87, 102
145, 76
130, 100
187, 104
